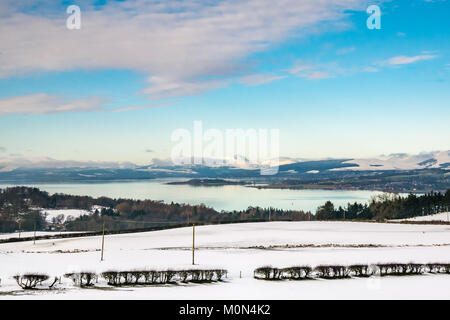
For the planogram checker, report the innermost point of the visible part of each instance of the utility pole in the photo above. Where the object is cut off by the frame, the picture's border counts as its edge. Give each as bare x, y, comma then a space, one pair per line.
34, 238
103, 239
193, 244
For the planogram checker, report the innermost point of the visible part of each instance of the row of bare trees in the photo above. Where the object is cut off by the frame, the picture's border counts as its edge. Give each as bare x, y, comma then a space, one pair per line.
341, 272
128, 278
146, 277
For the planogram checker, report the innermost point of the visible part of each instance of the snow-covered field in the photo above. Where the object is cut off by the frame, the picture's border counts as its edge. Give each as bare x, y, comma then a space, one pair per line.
240, 248
74, 213
443, 216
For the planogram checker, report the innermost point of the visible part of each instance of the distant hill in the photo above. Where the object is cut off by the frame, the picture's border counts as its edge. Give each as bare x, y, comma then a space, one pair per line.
396, 172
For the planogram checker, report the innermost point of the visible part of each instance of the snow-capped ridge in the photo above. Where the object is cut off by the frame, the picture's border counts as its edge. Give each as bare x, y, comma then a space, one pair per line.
431, 160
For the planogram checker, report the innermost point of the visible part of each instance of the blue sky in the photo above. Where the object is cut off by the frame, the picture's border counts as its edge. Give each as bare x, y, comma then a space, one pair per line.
117, 88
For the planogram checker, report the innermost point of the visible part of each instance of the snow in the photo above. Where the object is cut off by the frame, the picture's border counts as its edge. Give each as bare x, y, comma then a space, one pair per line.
443, 216
240, 248
74, 213
14, 162
401, 162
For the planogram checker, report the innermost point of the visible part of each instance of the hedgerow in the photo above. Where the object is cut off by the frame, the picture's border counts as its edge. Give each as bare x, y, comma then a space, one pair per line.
341, 271
31, 281
83, 279
151, 277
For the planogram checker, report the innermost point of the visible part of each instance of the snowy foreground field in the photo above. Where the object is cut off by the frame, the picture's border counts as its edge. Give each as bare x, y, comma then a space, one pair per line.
240, 248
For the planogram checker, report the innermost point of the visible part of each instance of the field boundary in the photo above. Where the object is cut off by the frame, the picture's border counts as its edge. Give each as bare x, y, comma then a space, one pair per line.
81, 234
112, 232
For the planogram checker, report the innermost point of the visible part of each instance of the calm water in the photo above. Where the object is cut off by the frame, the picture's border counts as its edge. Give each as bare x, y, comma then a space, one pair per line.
220, 198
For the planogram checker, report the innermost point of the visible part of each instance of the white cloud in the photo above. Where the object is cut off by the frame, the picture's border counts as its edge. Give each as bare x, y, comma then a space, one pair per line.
314, 72
298, 68
180, 45
345, 50
316, 75
41, 103
133, 108
400, 60
259, 79
161, 87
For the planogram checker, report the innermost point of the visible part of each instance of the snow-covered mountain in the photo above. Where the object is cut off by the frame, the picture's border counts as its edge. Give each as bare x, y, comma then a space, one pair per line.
439, 159
18, 162
12, 168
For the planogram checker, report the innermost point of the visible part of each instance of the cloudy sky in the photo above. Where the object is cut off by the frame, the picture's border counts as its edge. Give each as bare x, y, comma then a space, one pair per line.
117, 88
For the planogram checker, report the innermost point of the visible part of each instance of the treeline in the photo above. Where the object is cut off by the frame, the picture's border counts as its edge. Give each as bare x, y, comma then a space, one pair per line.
387, 206
133, 214
20, 208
